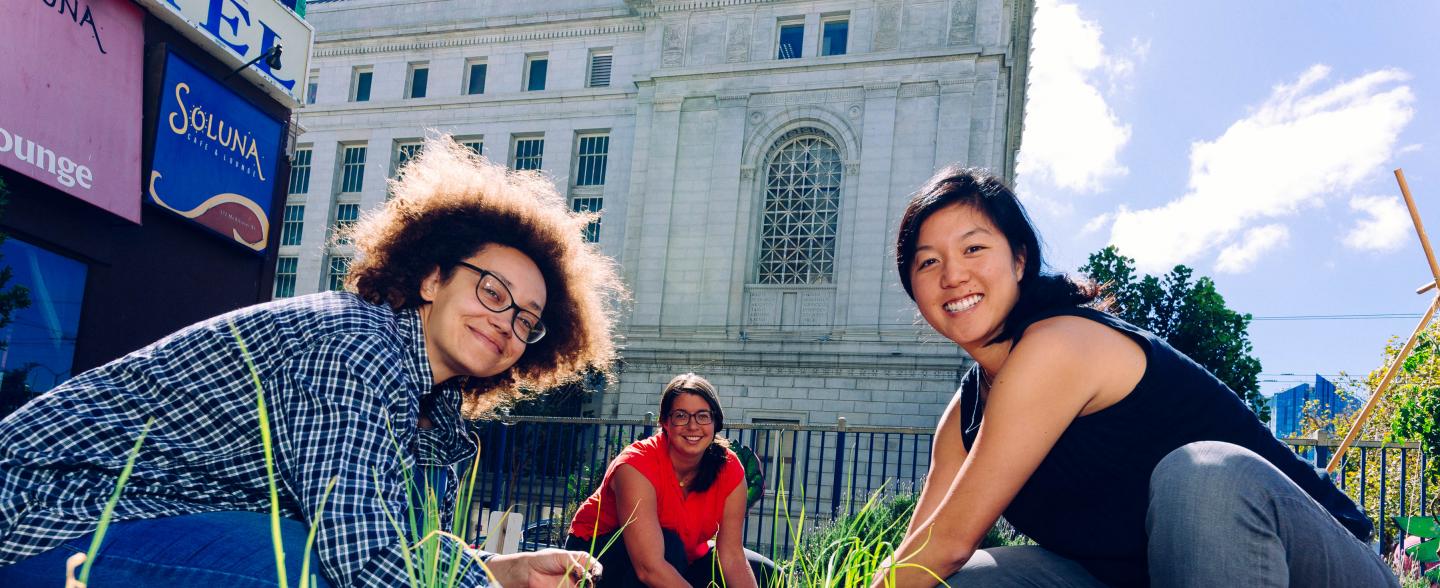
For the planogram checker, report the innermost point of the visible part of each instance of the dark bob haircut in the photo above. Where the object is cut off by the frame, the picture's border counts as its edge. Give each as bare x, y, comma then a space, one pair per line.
987, 194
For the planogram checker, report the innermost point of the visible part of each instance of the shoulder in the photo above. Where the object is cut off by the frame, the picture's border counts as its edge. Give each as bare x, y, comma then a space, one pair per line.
1071, 337
643, 456
733, 472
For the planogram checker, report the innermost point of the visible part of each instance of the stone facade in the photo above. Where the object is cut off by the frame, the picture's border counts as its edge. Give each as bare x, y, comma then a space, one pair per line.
698, 111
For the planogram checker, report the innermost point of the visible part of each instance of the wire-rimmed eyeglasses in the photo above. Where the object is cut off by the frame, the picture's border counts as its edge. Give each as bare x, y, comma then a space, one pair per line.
495, 295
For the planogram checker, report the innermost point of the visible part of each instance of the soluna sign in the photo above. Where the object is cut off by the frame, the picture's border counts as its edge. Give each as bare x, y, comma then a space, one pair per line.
215, 156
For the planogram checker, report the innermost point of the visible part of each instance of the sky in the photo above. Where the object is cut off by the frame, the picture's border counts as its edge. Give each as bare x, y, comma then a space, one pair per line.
1255, 142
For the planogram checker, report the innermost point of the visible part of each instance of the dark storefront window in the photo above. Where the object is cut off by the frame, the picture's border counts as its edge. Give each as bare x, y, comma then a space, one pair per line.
40, 340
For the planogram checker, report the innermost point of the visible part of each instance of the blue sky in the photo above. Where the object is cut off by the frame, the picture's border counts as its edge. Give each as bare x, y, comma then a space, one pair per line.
1254, 142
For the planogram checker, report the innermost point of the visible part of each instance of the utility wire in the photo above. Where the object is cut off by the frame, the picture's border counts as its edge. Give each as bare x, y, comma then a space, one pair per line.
1336, 317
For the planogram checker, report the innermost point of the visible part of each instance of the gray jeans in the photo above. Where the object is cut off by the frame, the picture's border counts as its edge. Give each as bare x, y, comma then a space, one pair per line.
1219, 515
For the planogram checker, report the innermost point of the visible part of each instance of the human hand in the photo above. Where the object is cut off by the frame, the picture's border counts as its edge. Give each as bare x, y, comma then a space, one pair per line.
547, 568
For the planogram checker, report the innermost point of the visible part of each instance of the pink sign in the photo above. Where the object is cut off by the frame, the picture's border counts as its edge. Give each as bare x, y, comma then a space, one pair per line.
70, 84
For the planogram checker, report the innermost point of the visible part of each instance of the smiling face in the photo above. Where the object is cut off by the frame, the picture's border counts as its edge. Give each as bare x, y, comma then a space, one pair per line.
462, 336
965, 277
692, 438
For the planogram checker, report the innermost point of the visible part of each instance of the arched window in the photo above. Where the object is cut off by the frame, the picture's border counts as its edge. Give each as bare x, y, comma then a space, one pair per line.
801, 210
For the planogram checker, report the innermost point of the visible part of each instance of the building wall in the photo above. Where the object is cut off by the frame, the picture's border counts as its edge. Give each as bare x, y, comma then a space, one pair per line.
696, 105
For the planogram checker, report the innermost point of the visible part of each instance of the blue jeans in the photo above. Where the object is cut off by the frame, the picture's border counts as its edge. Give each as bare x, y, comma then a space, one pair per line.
1219, 515
220, 549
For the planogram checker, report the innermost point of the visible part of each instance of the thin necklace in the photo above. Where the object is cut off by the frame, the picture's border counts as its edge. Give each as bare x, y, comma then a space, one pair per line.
975, 412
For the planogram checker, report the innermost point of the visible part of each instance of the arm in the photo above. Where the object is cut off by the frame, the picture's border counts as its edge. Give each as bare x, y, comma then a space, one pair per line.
946, 454
338, 417
635, 500
1053, 376
729, 546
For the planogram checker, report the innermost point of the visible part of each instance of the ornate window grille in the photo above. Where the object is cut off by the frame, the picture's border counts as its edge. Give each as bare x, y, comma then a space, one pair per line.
800, 216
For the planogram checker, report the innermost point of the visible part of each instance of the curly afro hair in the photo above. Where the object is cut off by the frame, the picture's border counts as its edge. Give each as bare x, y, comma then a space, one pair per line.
448, 204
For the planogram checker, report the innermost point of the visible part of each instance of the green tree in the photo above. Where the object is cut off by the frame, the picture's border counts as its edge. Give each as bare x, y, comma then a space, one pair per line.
1188, 313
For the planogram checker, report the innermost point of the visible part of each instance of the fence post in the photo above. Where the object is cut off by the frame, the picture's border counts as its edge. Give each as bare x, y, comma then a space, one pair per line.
495, 481
1322, 452
649, 424
839, 466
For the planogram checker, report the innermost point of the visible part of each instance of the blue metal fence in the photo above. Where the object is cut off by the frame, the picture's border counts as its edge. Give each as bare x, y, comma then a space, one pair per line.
543, 467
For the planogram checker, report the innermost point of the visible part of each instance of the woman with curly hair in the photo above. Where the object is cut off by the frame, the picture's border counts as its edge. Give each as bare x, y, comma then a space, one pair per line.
471, 284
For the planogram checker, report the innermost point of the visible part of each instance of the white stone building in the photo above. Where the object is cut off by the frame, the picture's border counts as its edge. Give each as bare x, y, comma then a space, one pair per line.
751, 159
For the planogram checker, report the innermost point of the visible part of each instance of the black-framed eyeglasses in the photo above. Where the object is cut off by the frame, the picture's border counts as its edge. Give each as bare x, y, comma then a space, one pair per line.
681, 418
495, 295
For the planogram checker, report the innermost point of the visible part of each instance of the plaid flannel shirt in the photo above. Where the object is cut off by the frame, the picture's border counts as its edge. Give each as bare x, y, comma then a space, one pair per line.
343, 382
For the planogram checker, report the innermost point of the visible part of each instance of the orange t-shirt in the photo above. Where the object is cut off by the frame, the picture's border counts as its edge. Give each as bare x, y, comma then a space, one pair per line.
695, 518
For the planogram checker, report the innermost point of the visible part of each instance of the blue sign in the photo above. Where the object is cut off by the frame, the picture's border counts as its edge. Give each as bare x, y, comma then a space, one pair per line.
215, 156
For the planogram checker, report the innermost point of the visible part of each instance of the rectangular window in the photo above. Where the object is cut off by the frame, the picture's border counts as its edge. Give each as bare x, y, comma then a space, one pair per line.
589, 204
345, 217
294, 223
417, 80
591, 155
475, 76
529, 153
311, 87
475, 145
792, 38
404, 152
360, 84
300, 172
352, 168
600, 61
834, 32
339, 268
535, 68
285, 268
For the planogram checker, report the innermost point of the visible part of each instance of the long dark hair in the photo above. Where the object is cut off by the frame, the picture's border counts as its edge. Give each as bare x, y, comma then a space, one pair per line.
714, 459
1039, 291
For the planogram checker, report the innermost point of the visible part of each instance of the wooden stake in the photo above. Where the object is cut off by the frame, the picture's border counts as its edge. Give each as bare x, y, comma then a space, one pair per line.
1420, 328
1384, 387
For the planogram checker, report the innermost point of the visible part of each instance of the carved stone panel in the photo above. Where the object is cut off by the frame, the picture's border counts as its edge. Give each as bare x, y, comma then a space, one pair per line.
887, 26
672, 52
737, 44
764, 308
962, 22
706, 42
816, 307
924, 25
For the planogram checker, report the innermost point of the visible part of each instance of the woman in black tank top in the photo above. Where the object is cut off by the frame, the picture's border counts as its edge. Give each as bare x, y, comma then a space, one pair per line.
1128, 463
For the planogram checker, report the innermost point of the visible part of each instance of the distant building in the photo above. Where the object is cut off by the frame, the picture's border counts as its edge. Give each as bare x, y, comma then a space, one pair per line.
1288, 407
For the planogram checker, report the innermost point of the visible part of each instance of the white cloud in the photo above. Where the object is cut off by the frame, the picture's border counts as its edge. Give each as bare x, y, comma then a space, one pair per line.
1099, 222
1072, 136
1305, 144
1386, 228
1240, 256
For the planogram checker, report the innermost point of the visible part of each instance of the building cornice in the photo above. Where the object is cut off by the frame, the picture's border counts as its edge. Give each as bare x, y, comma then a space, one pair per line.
419, 45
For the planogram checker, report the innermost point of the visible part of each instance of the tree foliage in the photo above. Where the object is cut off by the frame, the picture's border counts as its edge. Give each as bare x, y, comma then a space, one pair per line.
1407, 413
1188, 313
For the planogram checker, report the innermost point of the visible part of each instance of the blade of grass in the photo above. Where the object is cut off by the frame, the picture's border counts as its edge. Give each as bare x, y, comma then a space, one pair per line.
310, 540
268, 447
109, 510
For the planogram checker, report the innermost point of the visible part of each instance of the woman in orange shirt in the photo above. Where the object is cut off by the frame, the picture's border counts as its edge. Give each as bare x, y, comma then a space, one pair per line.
675, 490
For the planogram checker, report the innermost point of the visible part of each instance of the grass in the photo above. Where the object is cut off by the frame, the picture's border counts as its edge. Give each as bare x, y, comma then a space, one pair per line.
846, 553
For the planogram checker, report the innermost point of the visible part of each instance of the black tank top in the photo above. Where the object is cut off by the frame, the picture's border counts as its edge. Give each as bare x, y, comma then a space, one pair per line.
1087, 499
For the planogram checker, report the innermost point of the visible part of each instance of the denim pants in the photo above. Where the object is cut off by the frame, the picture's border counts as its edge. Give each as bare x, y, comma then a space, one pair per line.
219, 549
1219, 515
